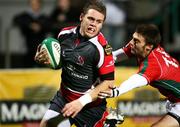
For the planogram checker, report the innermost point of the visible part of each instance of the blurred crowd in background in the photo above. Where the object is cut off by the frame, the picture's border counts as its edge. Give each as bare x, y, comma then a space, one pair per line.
25, 23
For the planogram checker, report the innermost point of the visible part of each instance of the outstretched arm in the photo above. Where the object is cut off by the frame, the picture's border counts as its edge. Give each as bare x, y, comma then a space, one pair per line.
134, 81
122, 53
119, 55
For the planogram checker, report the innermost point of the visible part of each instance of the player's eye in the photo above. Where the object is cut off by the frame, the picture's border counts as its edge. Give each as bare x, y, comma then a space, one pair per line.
91, 18
99, 21
135, 41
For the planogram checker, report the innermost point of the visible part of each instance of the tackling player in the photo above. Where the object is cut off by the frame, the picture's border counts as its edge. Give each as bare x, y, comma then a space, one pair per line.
156, 67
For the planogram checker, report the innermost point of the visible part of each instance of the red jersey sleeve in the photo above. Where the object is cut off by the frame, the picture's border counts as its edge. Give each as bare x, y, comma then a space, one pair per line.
106, 69
127, 50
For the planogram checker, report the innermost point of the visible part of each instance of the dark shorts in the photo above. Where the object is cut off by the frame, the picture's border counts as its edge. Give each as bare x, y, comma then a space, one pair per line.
87, 117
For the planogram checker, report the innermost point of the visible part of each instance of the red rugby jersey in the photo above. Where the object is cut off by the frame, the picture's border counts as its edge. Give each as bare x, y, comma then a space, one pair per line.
162, 72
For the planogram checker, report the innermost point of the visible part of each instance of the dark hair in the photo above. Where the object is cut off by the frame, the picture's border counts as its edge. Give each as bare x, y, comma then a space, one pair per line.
97, 5
151, 34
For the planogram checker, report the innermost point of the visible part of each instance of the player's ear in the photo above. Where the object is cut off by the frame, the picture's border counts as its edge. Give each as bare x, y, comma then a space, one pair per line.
39, 48
81, 16
149, 47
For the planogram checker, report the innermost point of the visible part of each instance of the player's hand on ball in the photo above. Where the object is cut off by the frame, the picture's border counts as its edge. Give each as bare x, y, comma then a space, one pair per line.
42, 56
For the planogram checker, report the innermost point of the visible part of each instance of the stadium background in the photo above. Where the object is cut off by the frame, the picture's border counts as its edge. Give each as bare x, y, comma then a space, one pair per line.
25, 92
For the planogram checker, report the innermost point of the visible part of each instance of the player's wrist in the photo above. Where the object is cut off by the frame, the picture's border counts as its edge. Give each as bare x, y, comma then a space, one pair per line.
85, 99
115, 92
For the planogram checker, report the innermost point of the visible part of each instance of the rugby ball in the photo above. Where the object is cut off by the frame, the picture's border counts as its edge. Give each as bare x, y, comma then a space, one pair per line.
53, 49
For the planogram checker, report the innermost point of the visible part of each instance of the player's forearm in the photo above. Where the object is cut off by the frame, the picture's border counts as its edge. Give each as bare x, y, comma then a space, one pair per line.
91, 96
101, 87
134, 81
119, 55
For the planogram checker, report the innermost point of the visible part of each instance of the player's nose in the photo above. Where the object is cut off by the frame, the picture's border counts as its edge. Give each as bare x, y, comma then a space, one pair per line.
131, 43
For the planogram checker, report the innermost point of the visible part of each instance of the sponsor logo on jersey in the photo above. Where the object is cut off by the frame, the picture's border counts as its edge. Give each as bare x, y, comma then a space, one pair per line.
79, 75
71, 67
71, 70
80, 60
111, 63
108, 50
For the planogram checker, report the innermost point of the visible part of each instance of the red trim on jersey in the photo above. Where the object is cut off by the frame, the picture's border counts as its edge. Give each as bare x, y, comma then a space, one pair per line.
101, 39
100, 123
108, 64
71, 96
68, 28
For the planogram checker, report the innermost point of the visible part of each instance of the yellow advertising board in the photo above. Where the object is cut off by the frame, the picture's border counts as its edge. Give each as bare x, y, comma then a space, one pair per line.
24, 97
